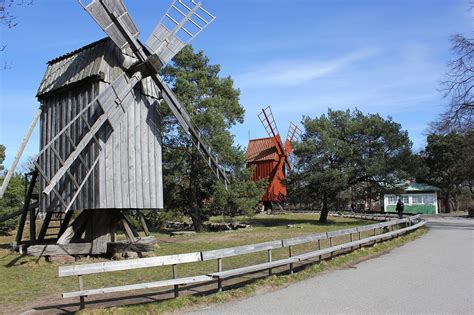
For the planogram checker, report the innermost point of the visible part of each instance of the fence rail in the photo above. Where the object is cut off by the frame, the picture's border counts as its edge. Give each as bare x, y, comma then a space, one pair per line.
387, 229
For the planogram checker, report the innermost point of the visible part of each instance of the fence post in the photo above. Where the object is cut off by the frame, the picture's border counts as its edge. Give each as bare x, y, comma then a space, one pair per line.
82, 303
319, 248
330, 245
360, 246
290, 254
175, 275
269, 259
219, 269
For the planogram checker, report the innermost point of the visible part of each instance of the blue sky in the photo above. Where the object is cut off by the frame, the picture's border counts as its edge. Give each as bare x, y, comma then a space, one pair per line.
298, 56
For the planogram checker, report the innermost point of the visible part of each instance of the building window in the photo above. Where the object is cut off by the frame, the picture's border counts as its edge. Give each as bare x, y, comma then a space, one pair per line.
428, 199
392, 200
417, 199
405, 199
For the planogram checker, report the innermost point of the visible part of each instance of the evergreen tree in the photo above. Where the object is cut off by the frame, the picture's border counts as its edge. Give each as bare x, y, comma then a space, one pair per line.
214, 107
450, 162
12, 200
344, 149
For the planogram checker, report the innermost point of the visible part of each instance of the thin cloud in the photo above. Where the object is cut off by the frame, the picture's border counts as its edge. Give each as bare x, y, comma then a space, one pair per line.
297, 72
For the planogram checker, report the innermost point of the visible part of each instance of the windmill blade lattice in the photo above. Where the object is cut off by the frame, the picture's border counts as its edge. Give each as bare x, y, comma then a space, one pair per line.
268, 122
112, 16
293, 133
183, 21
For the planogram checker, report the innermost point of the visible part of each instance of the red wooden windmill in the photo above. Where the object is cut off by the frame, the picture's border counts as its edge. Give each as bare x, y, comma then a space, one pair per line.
269, 156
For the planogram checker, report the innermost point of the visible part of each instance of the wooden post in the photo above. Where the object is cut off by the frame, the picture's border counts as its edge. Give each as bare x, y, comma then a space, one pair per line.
143, 222
352, 239
269, 259
21, 225
82, 303
360, 246
219, 284
319, 248
290, 254
175, 275
26, 204
330, 245
219, 269
32, 223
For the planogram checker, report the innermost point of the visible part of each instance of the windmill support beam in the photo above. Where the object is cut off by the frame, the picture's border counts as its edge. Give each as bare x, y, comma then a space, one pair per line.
92, 233
26, 208
19, 153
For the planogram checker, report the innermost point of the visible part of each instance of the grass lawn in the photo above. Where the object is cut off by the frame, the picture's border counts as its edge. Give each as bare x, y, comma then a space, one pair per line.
26, 280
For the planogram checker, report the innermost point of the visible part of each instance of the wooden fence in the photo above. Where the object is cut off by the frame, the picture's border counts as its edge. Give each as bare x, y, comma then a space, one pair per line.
381, 231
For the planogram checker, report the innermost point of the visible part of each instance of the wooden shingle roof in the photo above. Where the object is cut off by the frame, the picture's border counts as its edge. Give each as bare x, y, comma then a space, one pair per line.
262, 149
101, 60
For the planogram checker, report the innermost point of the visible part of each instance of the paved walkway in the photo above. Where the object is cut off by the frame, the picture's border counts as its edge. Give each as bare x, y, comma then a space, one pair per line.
432, 275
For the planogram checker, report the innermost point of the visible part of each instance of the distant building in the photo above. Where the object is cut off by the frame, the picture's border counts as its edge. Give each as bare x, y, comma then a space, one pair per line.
417, 197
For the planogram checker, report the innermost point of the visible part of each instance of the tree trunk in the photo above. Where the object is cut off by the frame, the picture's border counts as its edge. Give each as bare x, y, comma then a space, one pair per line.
455, 202
324, 210
194, 210
447, 203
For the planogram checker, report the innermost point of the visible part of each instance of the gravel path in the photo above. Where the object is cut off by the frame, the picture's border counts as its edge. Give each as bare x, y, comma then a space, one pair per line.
432, 275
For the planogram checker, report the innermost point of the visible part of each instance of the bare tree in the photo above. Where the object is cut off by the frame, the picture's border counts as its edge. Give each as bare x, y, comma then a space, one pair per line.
459, 88
9, 20
6, 17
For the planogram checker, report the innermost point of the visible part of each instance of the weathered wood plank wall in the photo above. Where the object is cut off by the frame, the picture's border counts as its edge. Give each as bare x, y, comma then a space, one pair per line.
129, 172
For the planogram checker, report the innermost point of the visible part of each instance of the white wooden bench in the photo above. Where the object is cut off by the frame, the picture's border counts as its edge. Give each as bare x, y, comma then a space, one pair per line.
360, 242
110, 266
219, 254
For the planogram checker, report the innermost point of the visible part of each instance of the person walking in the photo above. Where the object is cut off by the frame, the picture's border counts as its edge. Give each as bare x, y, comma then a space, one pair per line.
353, 206
399, 208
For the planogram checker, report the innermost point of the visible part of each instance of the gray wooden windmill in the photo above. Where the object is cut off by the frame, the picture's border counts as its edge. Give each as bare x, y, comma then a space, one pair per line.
100, 147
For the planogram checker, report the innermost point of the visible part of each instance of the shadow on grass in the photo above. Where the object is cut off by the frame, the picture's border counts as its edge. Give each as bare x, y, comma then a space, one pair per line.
15, 260
5, 246
282, 221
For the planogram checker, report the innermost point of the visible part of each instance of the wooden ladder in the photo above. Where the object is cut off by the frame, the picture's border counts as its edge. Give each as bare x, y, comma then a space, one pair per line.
54, 224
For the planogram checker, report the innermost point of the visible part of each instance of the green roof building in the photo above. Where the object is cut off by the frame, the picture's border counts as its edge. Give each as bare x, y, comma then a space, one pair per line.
417, 197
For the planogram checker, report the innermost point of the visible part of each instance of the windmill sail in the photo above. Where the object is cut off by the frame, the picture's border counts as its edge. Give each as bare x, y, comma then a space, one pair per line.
268, 122
112, 16
183, 21
293, 132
